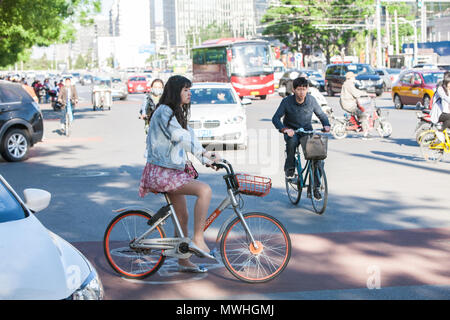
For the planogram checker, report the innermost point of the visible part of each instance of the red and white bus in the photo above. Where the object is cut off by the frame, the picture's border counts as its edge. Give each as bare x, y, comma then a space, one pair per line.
246, 64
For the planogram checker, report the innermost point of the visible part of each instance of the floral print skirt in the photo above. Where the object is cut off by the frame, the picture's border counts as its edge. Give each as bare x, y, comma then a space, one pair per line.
158, 179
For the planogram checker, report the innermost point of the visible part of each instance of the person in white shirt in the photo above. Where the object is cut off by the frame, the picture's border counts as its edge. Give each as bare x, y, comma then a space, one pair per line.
440, 111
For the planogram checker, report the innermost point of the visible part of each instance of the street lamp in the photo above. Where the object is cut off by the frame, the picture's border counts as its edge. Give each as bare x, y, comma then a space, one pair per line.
414, 25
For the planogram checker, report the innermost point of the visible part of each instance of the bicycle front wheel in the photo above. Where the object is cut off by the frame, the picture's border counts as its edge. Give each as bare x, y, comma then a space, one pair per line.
319, 187
244, 260
430, 146
122, 231
293, 189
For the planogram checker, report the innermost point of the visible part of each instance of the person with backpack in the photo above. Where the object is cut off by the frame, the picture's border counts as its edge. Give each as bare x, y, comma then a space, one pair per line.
150, 102
440, 110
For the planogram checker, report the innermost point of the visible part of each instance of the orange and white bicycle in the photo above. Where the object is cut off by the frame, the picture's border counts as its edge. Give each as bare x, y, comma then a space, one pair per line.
254, 247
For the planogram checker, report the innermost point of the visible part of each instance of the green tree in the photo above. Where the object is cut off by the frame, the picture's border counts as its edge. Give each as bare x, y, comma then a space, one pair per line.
328, 25
25, 23
309, 24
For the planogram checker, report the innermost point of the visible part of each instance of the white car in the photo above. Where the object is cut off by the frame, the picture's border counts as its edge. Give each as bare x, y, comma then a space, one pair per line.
35, 263
218, 115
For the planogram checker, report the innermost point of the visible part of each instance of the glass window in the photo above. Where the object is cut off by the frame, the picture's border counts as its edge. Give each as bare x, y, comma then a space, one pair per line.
251, 58
361, 69
212, 96
10, 208
210, 56
432, 78
13, 93
406, 78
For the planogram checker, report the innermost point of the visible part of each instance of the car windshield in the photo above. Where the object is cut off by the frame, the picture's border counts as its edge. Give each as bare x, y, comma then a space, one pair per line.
10, 208
116, 80
212, 96
251, 59
433, 78
361, 69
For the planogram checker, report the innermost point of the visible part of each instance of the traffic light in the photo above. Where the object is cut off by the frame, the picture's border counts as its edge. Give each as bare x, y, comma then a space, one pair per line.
419, 3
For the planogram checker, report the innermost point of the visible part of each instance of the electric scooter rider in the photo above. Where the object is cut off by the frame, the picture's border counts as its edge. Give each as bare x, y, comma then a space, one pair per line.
349, 101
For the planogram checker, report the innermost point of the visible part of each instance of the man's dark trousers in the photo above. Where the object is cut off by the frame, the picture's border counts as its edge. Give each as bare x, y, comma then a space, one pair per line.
291, 145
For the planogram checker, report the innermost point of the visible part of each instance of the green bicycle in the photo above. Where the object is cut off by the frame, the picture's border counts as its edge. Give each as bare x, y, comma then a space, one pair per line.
312, 177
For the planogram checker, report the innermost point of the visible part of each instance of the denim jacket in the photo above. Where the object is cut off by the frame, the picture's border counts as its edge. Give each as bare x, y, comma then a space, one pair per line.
167, 144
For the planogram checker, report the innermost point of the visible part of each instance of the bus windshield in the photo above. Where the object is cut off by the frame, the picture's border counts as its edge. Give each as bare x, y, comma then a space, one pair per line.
251, 59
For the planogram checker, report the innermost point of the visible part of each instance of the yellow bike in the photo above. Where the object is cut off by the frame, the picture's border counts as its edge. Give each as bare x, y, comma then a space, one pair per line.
432, 148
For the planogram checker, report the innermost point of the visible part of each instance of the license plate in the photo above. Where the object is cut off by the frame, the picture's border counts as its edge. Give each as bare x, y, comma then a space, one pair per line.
203, 133
140, 87
254, 93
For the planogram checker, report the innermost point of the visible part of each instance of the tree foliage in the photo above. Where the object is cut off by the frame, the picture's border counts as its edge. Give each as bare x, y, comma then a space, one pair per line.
25, 23
327, 25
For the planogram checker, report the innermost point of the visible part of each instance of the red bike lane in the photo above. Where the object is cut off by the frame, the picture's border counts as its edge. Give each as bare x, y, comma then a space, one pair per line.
324, 261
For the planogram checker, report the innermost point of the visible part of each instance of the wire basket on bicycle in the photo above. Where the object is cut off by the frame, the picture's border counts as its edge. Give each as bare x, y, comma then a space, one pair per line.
253, 185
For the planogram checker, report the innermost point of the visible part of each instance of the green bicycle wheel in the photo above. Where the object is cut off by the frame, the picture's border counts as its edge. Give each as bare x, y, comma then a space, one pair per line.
319, 191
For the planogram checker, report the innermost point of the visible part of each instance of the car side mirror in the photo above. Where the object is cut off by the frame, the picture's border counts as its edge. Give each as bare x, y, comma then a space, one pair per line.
246, 101
37, 199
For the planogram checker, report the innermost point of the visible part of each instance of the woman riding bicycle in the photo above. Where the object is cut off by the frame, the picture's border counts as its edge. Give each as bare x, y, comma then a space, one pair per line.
168, 141
297, 111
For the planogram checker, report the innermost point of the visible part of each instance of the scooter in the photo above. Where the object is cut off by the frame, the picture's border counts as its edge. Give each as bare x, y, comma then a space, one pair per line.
54, 100
341, 126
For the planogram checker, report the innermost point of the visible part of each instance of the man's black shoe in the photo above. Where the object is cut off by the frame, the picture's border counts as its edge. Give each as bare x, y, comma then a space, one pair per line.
290, 173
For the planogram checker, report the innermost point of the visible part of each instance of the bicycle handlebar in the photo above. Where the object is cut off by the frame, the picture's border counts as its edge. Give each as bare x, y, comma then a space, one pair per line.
301, 130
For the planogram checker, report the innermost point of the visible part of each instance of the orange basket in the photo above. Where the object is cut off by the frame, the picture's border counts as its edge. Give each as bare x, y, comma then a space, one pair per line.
253, 185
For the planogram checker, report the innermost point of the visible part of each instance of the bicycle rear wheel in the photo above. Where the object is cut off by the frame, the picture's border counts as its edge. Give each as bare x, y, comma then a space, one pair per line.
251, 264
319, 203
430, 147
128, 262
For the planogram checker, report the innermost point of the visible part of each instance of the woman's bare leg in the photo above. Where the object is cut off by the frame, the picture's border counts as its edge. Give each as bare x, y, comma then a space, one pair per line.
203, 193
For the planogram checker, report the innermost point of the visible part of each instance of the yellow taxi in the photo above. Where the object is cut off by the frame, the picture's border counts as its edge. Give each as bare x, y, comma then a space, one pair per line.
416, 86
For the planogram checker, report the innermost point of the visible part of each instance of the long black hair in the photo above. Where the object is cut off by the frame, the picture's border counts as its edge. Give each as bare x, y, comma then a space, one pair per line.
445, 82
172, 97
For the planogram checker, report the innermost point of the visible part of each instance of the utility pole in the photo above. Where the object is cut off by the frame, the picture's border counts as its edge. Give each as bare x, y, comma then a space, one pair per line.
378, 18
423, 24
397, 44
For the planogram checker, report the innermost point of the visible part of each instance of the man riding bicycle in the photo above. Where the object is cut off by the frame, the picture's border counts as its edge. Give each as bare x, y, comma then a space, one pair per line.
297, 111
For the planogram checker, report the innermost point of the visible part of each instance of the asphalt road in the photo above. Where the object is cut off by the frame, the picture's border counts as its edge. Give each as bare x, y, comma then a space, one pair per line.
385, 233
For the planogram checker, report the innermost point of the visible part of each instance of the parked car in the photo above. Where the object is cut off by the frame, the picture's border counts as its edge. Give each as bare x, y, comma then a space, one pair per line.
21, 122
138, 84
366, 78
36, 263
218, 114
445, 67
119, 89
416, 86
